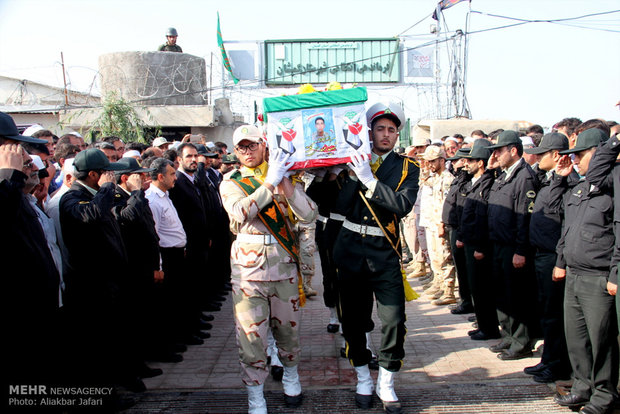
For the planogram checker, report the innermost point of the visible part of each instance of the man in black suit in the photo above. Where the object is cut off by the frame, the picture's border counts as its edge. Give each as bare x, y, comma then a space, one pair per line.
187, 198
368, 262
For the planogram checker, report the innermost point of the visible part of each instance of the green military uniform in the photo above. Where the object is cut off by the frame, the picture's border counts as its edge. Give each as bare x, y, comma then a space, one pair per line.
170, 48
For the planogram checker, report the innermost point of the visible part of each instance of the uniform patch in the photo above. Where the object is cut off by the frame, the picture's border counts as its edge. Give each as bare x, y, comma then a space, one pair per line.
84, 202
531, 194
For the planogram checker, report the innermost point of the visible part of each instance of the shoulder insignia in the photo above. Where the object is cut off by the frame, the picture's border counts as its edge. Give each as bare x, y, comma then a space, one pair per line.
84, 202
530, 207
531, 194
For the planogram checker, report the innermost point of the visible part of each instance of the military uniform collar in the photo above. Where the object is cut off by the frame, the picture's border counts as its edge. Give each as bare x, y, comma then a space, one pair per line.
258, 172
510, 170
374, 157
90, 189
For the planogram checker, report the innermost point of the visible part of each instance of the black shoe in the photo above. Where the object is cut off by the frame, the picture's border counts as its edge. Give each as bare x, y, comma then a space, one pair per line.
545, 376
512, 356
471, 318
363, 401
133, 384
211, 307
166, 357
591, 409
293, 402
193, 340
502, 346
570, 400
343, 352
473, 332
535, 369
392, 407
147, 372
481, 336
373, 364
205, 326
333, 328
462, 310
202, 335
207, 317
277, 373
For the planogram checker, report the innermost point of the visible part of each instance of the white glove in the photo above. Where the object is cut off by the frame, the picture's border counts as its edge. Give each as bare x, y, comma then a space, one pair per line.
278, 165
360, 164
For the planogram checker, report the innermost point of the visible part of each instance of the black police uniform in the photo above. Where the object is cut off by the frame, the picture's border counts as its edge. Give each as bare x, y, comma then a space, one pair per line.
585, 250
545, 231
510, 203
368, 265
96, 269
451, 214
325, 194
142, 309
30, 288
474, 233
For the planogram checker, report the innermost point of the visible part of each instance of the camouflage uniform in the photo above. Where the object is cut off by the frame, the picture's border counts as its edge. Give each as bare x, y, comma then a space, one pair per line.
434, 193
307, 247
264, 277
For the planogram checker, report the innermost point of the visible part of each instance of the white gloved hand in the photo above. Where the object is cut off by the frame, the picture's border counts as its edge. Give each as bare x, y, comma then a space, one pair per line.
360, 164
278, 165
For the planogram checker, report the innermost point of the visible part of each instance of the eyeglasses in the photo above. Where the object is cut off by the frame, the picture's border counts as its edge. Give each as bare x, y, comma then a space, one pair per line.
243, 149
28, 164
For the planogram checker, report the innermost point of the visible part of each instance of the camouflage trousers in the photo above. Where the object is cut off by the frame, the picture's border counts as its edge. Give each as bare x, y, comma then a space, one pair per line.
307, 247
258, 307
441, 261
415, 237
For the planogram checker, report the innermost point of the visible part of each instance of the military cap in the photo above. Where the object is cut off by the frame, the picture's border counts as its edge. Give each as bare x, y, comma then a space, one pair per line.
506, 138
586, 140
131, 166
460, 153
432, 152
480, 150
230, 159
8, 130
551, 141
249, 132
390, 110
94, 159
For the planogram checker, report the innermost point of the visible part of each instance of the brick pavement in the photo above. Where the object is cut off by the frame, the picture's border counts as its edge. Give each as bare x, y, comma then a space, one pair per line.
443, 371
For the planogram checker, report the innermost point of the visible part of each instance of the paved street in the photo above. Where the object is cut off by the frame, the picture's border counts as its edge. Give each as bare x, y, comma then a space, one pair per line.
444, 371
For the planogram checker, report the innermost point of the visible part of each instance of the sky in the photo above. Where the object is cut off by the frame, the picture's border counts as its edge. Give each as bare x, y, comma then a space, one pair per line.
537, 72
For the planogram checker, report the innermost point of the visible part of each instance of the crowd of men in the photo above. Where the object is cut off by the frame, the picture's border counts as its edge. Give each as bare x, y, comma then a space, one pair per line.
122, 251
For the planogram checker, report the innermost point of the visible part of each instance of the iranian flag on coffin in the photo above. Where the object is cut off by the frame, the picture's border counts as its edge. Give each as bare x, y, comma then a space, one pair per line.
318, 129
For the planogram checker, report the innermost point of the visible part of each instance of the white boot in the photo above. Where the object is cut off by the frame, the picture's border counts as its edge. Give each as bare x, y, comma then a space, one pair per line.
292, 387
363, 391
333, 316
364, 380
256, 400
385, 385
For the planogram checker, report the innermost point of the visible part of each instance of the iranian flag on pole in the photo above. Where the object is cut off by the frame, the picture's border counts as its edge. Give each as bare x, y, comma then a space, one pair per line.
220, 43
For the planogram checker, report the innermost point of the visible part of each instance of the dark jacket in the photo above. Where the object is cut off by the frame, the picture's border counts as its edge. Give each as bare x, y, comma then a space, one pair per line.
188, 200
587, 240
453, 205
30, 278
510, 204
138, 230
390, 205
474, 228
548, 213
97, 261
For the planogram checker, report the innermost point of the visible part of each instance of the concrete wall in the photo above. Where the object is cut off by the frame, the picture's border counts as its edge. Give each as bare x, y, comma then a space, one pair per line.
154, 78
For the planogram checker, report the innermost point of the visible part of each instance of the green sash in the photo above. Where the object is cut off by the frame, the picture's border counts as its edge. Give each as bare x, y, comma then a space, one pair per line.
272, 217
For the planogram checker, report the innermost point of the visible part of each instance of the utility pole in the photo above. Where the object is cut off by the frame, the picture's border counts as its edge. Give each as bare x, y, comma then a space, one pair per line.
64, 78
